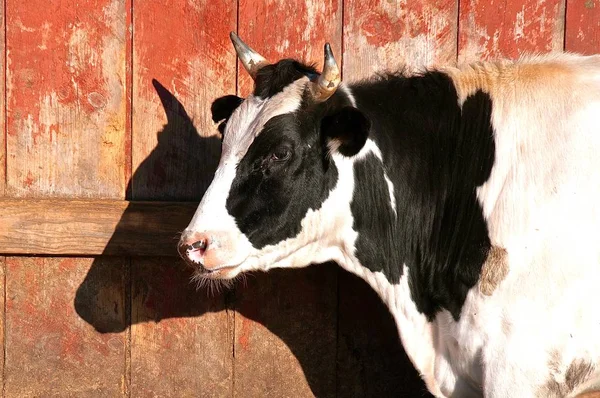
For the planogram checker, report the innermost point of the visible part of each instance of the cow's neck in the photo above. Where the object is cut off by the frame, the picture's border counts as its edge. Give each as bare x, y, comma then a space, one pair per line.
414, 202
416, 332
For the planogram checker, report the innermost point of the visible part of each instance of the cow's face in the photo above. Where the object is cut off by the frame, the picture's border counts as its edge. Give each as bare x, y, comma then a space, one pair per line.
280, 197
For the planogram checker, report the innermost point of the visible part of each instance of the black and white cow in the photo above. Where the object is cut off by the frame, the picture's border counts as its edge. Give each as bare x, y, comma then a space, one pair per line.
468, 198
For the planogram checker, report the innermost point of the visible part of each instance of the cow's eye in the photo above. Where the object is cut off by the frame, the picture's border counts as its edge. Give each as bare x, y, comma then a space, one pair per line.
281, 154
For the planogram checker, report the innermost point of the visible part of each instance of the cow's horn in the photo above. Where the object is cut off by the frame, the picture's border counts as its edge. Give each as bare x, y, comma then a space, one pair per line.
251, 60
329, 80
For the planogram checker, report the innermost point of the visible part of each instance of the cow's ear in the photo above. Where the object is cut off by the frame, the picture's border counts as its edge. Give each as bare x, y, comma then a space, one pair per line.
346, 131
223, 107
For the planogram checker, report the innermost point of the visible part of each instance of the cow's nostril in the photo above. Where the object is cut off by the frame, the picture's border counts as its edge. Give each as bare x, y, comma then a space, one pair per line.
200, 245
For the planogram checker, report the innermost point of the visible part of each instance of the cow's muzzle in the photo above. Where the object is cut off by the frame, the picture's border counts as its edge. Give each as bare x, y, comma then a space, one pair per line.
208, 253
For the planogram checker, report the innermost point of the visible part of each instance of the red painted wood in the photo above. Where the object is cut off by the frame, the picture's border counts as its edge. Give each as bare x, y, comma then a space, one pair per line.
2, 101
285, 333
50, 350
289, 29
582, 26
66, 98
181, 338
182, 61
382, 34
499, 28
2, 177
2, 315
185, 47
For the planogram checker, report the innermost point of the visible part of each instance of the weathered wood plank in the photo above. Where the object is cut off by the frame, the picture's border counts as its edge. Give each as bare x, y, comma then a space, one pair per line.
291, 29
91, 227
2, 315
285, 333
387, 35
181, 64
2, 101
499, 28
66, 98
371, 360
50, 351
181, 338
2, 176
192, 61
582, 26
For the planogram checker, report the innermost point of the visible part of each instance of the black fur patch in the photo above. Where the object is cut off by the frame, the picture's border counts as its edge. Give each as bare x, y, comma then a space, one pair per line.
272, 79
375, 220
349, 127
222, 108
269, 198
436, 155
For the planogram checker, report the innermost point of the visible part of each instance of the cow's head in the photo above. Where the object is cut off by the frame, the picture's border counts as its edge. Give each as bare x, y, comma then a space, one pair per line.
281, 194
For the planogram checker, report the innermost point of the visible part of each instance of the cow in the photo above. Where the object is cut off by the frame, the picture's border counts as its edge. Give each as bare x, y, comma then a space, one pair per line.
466, 196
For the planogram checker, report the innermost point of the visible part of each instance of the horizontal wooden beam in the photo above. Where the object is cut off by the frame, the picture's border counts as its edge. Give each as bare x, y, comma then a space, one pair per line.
91, 227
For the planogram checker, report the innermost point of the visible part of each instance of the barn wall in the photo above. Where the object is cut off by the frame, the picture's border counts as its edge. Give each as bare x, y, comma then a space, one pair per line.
104, 104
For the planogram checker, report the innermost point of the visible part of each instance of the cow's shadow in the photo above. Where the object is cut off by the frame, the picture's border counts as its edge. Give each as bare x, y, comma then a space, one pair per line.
333, 323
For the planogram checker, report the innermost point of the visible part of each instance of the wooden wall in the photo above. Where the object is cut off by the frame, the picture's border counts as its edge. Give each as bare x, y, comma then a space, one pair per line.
104, 104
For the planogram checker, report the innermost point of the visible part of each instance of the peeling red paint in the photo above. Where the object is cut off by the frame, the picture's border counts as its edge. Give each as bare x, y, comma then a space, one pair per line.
379, 29
387, 35
45, 338
498, 28
583, 26
189, 53
180, 334
296, 29
245, 332
66, 73
29, 180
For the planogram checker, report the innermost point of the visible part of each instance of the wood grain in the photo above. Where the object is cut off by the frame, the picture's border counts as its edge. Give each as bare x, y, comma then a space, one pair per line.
181, 64
499, 28
389, 35
91, 227
582, 26
289, 29
66, 99
2, 176
285, 333
181, 340
50, 350
2, 315
2, 100
181, 337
